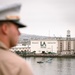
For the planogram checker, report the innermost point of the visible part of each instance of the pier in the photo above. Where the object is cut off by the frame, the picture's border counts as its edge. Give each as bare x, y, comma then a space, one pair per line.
49, 55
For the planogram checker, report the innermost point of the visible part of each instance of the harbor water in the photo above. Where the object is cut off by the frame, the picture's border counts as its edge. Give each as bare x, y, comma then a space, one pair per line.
52, 66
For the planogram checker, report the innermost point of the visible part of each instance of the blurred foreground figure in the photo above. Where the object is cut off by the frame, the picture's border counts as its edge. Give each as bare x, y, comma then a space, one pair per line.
11, 63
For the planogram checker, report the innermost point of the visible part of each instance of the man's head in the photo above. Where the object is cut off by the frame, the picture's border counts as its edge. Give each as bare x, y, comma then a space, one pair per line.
9, 33
9, 25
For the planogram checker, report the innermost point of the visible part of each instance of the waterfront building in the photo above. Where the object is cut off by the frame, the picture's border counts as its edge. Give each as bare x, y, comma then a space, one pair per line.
66, 45
59, 45
21, 47
44, 45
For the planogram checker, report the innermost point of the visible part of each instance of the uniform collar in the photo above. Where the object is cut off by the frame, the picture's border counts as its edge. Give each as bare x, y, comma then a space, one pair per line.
3, 46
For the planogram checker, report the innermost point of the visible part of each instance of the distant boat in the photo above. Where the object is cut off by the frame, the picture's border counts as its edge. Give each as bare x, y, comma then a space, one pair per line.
39, 61
48, 61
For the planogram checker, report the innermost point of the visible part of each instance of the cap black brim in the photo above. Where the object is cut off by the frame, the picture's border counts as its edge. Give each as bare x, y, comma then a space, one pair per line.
19, 24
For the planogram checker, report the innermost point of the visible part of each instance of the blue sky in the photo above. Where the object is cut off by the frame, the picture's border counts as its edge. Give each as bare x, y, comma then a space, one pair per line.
48, 17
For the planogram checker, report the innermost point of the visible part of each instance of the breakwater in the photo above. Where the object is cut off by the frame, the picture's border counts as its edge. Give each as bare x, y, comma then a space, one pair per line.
49, 55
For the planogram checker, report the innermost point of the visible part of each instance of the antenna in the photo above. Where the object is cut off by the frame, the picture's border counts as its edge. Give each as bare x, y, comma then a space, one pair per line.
49, 32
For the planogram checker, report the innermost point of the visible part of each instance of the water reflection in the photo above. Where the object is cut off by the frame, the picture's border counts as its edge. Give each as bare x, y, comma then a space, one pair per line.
56, 66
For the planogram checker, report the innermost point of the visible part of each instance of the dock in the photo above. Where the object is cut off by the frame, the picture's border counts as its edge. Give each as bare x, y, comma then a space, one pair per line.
50, 55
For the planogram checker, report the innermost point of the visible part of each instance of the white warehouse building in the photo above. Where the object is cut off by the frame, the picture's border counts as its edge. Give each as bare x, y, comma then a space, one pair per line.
44, 45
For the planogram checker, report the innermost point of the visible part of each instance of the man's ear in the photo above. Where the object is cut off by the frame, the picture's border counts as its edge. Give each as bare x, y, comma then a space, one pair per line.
4, 28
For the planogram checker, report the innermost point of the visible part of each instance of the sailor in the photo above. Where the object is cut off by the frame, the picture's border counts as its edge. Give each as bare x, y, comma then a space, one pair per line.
11, 63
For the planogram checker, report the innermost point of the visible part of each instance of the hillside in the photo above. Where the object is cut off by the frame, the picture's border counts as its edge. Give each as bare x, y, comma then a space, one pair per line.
28, 36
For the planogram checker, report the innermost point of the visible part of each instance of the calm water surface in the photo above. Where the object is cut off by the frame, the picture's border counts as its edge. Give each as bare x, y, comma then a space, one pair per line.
54, 66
